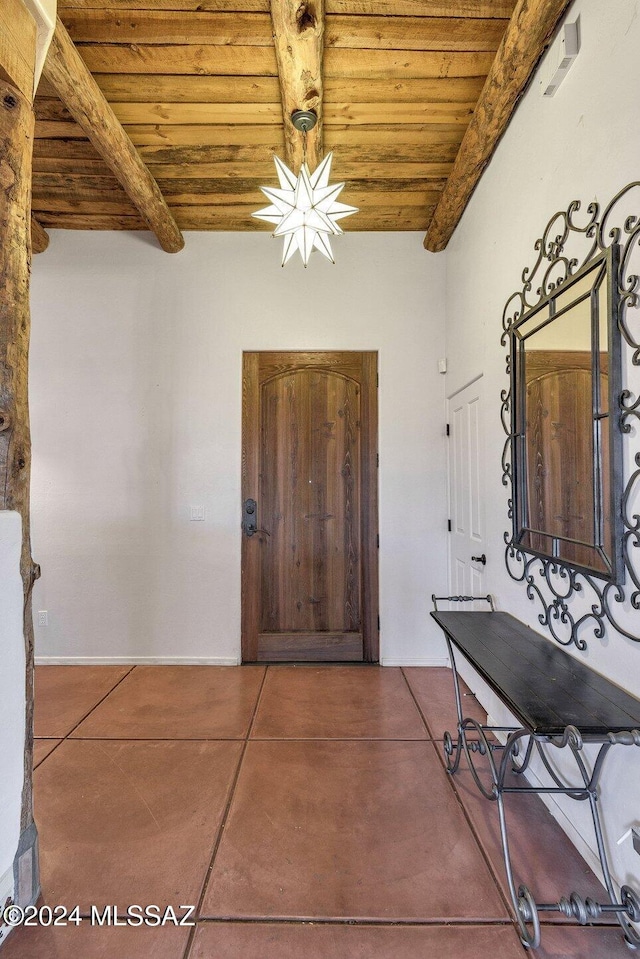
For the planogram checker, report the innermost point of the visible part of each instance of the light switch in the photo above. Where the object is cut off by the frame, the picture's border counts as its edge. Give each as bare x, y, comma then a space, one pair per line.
197, 514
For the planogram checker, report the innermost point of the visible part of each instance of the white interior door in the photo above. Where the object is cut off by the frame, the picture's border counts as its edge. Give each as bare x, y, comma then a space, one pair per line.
466, 493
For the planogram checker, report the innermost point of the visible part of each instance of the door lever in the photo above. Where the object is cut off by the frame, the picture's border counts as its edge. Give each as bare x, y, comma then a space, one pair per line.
249, 517
479, 559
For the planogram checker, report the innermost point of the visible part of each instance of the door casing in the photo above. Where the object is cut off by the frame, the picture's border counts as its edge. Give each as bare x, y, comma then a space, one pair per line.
259, 367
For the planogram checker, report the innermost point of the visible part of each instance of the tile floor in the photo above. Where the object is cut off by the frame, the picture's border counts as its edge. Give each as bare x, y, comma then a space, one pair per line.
304, 812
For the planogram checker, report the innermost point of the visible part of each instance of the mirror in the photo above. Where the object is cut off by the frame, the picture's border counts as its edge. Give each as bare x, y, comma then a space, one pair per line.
567, 446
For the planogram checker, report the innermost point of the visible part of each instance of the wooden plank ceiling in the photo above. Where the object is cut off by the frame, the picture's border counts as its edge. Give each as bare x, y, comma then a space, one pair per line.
195, 85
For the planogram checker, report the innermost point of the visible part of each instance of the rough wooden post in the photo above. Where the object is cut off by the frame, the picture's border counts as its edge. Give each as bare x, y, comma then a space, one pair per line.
16, 146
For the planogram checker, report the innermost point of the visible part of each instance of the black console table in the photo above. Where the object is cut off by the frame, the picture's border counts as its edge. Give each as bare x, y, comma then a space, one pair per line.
558, 702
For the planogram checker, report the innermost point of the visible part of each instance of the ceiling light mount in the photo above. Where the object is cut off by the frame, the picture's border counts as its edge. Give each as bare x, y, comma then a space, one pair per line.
304, 120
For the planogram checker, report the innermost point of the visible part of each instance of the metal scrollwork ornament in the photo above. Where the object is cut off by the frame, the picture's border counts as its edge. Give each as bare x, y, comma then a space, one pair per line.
576, 604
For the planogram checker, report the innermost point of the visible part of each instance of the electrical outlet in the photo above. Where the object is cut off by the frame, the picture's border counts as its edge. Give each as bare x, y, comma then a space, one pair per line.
197, 514
43, 617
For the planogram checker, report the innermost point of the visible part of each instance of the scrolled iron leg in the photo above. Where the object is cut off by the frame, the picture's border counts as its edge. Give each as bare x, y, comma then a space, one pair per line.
481, 746
524, 905
586, 910
527, 914
628, 910
452, 748
631, 902
518, 768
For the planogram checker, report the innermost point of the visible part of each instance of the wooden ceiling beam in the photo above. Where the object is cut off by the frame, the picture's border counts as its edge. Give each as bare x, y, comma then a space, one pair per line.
529, 31
39, 237
66, 71
298, 33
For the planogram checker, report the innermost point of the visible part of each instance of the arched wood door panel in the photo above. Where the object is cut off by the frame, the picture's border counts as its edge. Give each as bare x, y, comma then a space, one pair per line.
563, 491
309, 580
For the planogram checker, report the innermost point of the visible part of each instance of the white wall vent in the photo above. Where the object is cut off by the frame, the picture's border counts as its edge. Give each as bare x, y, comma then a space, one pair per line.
559, 58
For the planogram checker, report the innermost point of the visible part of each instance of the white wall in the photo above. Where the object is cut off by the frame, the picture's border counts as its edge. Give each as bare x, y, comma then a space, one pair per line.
136, 415
582, 144
12, 701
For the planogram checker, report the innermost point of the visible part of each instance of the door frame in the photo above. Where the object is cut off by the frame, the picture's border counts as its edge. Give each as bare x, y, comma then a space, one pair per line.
478, 382
363, 367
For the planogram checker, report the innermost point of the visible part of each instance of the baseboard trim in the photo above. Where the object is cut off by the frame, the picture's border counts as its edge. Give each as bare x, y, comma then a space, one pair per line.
192, 661
137, 661
436, 661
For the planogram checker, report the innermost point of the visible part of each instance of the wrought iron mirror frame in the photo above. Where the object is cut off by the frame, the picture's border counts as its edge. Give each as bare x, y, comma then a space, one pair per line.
550, 582
604, 266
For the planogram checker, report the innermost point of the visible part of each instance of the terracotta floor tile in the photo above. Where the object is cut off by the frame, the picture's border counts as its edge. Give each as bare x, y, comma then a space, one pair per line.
337, 702
178, 702
318, 829
542, 856
130, 822
351, 829
42, 748
325, 941
64, 694
433, 688
580, 942
93, 942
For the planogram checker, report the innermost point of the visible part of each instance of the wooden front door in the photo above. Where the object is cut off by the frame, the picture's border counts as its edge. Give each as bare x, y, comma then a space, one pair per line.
309, 463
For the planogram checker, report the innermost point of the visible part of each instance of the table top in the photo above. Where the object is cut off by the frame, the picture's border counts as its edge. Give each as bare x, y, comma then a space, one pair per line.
545, 687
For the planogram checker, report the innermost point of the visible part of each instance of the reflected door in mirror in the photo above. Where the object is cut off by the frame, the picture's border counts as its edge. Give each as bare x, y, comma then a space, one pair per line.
560, 455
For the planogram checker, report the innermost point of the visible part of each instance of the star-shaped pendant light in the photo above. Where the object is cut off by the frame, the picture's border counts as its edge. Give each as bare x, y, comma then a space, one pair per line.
305, 209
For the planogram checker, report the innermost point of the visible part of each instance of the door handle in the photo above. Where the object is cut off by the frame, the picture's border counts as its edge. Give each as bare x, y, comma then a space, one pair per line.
479, 559
249, 517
